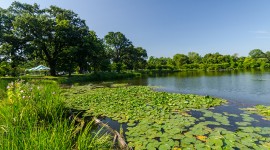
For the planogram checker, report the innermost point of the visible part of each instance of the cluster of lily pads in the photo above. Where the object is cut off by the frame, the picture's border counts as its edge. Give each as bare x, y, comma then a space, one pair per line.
260, 110
161, 120
134, 103
187, 132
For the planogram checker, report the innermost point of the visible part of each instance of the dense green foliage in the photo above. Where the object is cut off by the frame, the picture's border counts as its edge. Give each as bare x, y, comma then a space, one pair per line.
162, 120
124, 54
211, 61
60, 39
33, 117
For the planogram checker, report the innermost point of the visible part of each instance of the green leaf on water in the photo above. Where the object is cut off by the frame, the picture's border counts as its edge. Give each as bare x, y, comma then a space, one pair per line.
188, 140
152, 146
243, 123
164, 147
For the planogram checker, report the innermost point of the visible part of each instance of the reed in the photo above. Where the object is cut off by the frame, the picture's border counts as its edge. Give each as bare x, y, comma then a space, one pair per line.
33, 116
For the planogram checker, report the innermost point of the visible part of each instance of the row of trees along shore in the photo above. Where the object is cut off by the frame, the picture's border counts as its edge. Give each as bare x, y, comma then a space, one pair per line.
211, 61
59, 38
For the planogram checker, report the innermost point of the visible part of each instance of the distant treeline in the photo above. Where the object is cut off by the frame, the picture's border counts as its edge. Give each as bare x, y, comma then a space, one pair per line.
211, 61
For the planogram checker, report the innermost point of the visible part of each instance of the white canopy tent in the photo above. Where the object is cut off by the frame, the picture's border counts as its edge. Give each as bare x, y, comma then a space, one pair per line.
39, 70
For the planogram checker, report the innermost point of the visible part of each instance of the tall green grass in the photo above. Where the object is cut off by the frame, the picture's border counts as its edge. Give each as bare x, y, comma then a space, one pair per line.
33, 117
3, 87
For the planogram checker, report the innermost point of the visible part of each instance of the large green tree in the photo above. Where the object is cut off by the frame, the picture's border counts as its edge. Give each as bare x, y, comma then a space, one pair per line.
135, 58
212, 58
179, 60
99, 58
53, 31
12, 46
119, 45
257, 53
194, 57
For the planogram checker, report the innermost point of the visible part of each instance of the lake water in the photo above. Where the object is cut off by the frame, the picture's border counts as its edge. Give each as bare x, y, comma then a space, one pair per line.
238, 87
242, 89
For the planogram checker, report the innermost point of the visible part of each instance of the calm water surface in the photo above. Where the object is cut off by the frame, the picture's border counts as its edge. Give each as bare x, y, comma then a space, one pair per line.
239, 87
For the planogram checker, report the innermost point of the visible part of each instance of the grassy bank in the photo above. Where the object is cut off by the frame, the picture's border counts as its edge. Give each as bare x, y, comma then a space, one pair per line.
93, 77
33, 117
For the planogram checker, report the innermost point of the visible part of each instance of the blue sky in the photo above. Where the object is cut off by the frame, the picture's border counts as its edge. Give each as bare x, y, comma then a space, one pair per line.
165, 28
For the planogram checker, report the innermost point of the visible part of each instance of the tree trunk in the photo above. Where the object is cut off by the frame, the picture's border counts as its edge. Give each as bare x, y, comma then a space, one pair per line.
82, 68
69, 72
52, 65
118, 67
50, 59
13, 71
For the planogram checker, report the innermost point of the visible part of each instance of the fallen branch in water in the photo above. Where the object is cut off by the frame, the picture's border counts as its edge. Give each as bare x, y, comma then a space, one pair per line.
117, 136
80, 127
121, 141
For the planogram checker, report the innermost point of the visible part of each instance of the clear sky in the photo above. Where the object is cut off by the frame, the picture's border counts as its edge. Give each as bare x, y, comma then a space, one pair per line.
165, 28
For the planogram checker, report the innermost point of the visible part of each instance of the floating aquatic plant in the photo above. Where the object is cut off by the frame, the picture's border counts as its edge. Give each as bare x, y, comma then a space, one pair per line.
260, 110
160, 120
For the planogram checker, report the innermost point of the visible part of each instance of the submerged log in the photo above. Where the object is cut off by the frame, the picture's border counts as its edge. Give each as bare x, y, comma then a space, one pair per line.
117, 136
80, 127
121, 141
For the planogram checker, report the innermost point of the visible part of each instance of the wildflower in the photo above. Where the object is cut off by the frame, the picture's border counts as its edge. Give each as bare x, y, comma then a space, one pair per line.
21, 91
8, 87
53, 93
23, 97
